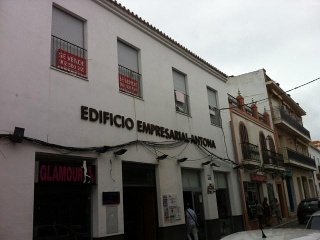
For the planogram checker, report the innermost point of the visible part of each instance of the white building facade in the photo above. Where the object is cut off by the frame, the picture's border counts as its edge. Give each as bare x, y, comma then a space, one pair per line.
109, 127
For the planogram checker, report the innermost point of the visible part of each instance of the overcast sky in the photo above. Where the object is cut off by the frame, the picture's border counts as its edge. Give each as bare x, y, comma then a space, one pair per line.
240, 36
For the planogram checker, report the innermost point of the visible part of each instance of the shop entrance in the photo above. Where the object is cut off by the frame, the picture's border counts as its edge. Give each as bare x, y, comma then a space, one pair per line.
62, 197
62, 211
139, 202
192, 194
194, 198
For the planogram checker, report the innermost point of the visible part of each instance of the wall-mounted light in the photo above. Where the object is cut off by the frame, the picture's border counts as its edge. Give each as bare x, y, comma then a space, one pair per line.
214, 165
17, 136
182, 160
205, 163
120, 152
164, 156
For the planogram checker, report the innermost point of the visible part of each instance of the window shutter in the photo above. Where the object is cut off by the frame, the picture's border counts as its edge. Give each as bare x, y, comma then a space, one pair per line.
128, 57
67, 27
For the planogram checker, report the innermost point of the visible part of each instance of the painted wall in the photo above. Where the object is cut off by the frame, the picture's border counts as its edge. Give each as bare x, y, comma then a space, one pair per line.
46, 102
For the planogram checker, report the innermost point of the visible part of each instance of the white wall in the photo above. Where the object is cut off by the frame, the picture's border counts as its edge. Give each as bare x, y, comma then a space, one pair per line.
46, 102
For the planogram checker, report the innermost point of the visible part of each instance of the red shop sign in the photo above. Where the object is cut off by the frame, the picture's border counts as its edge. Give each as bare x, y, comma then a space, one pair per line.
56, 172
259, 178
71, 62
128, 84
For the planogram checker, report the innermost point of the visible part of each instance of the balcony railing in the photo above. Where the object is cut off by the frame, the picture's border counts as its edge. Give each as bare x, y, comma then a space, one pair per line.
280, 113
232, 100
68, 57
273, 158
129, 81
250, 152
294, 156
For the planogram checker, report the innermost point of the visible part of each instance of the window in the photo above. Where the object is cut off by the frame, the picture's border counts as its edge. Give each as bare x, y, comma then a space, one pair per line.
251, 192
67, 43
213, 107
180, 92
128, 66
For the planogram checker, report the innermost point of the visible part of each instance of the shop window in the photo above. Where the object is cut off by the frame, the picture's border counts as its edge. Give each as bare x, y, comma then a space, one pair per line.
128, 70
67, 43
213, 107
251, 192
180, 92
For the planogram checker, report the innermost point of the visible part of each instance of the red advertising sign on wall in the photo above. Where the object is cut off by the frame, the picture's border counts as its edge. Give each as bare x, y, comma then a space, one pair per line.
57, 172
259, 178
129, 85
71, 62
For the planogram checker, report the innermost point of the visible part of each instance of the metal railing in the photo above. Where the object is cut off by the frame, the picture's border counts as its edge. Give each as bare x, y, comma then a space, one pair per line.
232, 100
292, 122
129, 81
270, 157
250, 152
292, 155
68, 57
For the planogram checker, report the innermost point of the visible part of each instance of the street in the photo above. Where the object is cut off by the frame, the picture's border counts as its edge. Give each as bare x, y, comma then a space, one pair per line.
294, 224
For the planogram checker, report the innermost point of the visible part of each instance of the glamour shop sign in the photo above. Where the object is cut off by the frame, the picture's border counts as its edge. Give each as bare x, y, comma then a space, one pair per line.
119, 121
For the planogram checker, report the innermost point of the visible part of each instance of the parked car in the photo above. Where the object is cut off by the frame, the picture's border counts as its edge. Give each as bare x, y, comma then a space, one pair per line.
314, 221
276, 234
306, 208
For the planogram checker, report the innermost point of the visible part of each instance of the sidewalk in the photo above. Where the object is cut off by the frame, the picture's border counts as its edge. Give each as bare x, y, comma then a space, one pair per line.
284, 222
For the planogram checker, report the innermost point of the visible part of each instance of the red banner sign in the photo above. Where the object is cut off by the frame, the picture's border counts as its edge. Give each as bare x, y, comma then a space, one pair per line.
71, 62
128, 84
54, 172
259, 178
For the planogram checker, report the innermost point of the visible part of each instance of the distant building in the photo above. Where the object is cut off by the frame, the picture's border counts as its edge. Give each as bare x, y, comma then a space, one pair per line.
315, 154
261, 165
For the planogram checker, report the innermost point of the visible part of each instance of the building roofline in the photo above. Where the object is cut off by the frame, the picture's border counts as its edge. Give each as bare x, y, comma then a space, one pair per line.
155, 33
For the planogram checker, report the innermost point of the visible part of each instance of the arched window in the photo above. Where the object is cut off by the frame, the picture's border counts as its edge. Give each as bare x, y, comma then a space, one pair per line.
263, 145
272, 149
243, 134
244, 138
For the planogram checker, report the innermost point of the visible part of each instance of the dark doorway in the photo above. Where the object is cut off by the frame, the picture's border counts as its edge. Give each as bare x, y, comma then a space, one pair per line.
139, 202
224, 211
62, 209
194, 198
139, 213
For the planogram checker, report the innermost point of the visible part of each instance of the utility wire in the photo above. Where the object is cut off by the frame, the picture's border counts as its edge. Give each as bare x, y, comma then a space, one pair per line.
284, 92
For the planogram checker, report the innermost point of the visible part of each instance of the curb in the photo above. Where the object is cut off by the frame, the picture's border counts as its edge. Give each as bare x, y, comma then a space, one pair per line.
284, 223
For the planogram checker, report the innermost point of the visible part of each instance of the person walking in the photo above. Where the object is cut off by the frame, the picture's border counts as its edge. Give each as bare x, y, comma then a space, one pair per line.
277, 210
259, 213
191, 222
266, 211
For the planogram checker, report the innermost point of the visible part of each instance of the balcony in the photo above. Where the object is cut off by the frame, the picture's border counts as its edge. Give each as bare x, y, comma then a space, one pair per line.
251, 157
234, 102
297, 159
129, 81
288, 123
272, 161
68, 57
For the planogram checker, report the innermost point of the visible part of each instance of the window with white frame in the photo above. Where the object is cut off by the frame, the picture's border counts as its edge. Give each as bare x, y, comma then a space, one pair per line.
67, 43
180, 92
128, 68
213, 107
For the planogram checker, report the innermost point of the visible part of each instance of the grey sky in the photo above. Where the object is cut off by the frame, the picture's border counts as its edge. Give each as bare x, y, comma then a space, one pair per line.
240, 36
